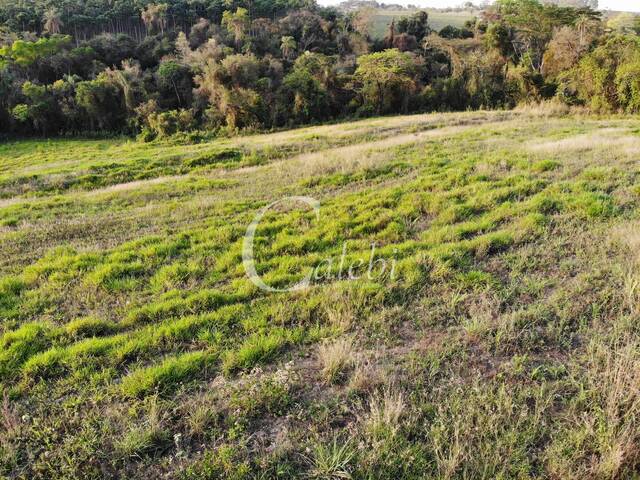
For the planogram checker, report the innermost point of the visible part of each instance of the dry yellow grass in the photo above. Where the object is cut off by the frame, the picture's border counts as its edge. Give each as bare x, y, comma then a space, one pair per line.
615, 376
386, 410
336, 358
617, 138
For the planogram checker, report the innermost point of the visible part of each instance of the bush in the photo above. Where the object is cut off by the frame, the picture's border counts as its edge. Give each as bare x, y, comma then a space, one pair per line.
607, 78
165, 124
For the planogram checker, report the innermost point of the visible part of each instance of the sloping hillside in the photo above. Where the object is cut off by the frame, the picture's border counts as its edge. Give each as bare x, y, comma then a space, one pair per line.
490, 332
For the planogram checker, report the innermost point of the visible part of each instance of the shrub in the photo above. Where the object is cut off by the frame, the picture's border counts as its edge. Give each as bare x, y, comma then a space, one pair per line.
607, 78
165, 124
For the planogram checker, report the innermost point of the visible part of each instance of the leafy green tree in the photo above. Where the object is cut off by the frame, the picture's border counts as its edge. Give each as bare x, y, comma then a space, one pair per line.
175, 83
416, 25
154, 17
199, 32
307, 88
111, 50
40, 108
527, 27
606, 79
64, 92
101, 104
628, 84
230, 87
25, 53
308, 29
388, 79
129, 80
307, 95
454, 32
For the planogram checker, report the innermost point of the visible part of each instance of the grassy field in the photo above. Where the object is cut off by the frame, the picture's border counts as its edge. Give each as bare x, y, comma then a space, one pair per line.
438, 19
501, 342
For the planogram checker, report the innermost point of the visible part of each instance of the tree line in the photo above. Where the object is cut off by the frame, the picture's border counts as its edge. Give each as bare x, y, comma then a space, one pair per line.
133, 66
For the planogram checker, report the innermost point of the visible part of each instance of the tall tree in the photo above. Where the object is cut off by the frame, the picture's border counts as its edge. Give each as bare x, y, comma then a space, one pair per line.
391, 34
51, 21
386, 77
288, 46
129, 80
154, 17
236, 23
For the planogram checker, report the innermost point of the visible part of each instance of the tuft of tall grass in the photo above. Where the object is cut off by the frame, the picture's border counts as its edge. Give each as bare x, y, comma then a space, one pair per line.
336, 359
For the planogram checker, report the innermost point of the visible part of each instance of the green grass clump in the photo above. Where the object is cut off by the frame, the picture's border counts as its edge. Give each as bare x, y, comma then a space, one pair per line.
19, 346
10, 290
167, 375
143, 441
223, 155
202, 301
545, 166
260, 348
90, 327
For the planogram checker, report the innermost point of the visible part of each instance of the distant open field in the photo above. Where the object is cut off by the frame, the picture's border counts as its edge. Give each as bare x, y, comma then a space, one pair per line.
500, 340
438, 19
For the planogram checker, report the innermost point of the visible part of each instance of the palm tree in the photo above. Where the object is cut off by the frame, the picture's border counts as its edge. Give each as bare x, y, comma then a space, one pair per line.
52, 22
288, 46
237, 23
129, 80
582, 24
391, 34
154, 17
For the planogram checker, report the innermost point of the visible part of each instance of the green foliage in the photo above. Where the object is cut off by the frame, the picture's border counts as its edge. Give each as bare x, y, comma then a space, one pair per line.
627, 83
275, 64
308, 87
21, 112
26, 53
416, 25
100, 100
455, 32
606, 79
166, 124
388, 79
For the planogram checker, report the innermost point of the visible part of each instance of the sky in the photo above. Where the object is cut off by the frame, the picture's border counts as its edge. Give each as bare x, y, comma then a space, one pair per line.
624, 5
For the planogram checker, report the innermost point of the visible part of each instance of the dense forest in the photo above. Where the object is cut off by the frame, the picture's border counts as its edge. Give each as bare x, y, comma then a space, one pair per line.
156, 69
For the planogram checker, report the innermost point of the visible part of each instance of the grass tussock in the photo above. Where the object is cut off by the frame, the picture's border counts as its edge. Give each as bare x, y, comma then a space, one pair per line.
336, 359
386, 411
